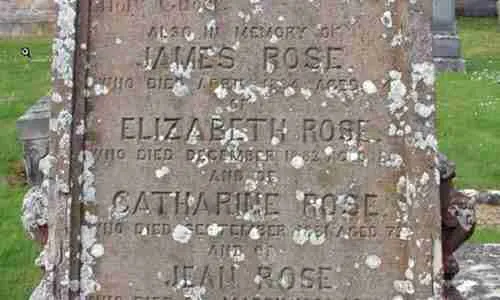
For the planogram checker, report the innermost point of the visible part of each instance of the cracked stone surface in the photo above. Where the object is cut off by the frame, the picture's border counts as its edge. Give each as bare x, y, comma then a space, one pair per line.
479, 276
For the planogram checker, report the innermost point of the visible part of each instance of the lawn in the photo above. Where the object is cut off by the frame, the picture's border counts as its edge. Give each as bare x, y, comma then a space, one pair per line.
468, 125
469, 107
21, 83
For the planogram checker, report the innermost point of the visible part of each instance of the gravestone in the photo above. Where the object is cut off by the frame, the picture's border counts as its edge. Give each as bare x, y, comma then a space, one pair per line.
26, 17
476, 8
237, 149
498, 14
33, 133
446, 43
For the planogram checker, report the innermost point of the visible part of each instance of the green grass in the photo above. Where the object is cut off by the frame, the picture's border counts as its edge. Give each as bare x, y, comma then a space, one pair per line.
468, 128
469, 107
486, 234
21, 83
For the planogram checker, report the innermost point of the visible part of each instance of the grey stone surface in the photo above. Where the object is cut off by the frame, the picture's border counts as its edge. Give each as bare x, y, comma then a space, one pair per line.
243, 149
476, 8
446, 46
33, 134
444, 19
479, 277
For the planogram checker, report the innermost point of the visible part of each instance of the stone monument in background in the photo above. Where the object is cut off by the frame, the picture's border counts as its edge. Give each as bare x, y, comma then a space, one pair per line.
26, 17
498, 14
446, 42
234, 149
476, 8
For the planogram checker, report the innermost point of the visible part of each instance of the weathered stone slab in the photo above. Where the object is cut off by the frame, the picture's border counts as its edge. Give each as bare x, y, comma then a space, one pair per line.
446, 46
444, 19
479, 277
237, 149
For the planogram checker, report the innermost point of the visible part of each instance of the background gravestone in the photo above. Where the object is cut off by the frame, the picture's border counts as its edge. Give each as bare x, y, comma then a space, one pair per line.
476, 8
446, 43
233, 149
26, 17
33, 132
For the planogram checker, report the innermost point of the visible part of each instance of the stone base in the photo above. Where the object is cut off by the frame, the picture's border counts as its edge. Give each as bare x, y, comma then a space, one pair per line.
479, 277
449, 64
446, 46
476, 8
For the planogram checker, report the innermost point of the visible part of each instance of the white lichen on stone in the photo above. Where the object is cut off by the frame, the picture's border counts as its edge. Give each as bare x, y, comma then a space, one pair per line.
119, 209
189, 36
297, 162
56, 97
181, 234
269, 67
397, 40
422, 143
97, 250
221, 92
346, 203
299, 195
214, 229
423, 110
424, 179
237, 255
80, 128
64, 43
404, 287
392, 160
423, 71
317, 239
194, 293
289, 91
63, 121
369, 87
397, 92
88, 283
254, 233
373, 261
250, 185
306, 93
405, 233
329, 151
250, 92
425, 278
87, 178
180, 89
160, 173
300, 236
387, 19
100, 90
35, 210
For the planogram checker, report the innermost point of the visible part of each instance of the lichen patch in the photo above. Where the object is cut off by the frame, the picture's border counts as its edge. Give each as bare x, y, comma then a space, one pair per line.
181, 234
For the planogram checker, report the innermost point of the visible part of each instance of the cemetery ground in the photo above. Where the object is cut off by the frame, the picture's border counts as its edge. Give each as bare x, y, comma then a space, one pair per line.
468, 124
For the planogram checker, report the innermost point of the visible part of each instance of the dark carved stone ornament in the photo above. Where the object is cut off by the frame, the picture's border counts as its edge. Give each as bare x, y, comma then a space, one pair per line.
458, 222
